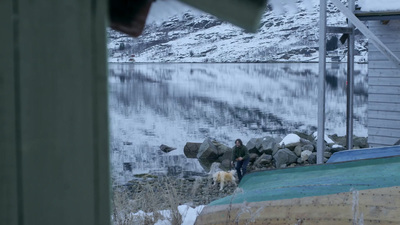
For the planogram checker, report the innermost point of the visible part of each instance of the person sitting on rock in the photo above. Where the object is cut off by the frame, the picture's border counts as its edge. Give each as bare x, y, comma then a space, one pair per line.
240, 155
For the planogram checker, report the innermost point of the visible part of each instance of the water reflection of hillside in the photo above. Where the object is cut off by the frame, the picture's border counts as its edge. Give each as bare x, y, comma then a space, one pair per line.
175, 103
239, 94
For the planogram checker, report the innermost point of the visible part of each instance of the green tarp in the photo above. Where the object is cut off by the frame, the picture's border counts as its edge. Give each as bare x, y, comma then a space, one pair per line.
316, 180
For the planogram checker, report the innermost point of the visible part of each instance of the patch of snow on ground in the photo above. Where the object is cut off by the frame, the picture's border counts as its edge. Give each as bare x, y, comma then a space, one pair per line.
188, 214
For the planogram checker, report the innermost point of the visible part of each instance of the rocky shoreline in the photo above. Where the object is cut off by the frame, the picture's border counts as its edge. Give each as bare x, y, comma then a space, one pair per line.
266, 153
296, 149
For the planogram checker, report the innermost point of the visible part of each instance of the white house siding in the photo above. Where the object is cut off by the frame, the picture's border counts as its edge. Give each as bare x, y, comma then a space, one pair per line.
384, 87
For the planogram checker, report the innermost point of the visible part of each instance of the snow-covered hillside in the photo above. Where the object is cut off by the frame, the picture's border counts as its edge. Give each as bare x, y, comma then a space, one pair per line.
187, 35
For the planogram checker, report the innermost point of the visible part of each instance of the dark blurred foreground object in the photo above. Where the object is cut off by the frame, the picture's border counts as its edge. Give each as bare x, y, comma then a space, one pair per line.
129, 16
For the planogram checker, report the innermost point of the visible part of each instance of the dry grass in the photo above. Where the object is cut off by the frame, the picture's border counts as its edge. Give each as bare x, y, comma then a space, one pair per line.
151, 200
155, 195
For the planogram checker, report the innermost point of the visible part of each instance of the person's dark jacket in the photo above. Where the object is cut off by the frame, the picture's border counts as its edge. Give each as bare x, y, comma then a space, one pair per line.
240, 152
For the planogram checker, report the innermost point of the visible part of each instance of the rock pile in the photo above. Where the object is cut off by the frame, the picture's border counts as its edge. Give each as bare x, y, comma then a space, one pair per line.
295, 149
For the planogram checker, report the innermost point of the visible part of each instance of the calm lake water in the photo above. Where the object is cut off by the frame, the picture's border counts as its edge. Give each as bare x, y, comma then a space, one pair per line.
171, 104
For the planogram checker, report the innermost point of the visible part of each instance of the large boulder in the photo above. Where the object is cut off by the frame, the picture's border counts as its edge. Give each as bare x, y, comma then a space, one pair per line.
191, 149
306, 142
208, 150
225, 165
262, 145
221, 148
309, 147
227, 155
312, 159
225, 160
283, 157
336, 148
268, 145
297, 150
305, 136
290, 141
254, 144
208, 154
253, 157
263, 160
206, 164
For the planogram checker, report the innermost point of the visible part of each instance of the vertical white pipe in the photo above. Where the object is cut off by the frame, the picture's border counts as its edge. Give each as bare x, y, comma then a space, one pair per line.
350, 82
321, 85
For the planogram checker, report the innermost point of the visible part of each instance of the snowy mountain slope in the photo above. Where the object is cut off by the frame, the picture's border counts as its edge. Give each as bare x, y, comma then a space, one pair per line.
192, 36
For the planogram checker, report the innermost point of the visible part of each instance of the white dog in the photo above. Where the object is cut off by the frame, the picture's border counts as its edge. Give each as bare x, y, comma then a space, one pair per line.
222, 176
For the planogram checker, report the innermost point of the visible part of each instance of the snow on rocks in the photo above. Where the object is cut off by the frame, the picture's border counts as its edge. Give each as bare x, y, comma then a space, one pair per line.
290, 139
326, 138
272, 152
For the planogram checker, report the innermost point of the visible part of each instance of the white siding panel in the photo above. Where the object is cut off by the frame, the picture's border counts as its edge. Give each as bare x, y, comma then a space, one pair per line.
384, 98
392, 124
383, 106
378, 56
393, 46
383, 87
379, 114
376, 141
381, 65
383, 72
387, 35
389, 81
376, 89
384, 132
